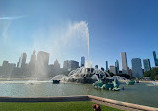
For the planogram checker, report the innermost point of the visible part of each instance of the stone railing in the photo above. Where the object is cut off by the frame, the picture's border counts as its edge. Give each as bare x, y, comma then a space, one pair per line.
131, 105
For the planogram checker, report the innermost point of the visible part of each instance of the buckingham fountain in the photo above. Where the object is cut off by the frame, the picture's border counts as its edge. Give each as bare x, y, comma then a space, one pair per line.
88, 74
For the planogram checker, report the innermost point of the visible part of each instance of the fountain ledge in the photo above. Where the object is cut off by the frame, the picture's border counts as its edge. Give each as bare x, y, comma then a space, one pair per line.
95, 99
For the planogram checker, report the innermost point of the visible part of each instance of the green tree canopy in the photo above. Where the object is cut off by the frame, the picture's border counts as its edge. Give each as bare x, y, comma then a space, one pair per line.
153, 74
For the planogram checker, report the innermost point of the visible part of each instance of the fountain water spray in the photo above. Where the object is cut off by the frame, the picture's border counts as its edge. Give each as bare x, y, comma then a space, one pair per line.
85, 74
88, 63
88, 46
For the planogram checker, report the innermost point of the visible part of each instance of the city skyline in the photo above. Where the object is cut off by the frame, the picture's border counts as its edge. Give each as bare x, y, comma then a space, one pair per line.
123, 55
27, 25
39, 67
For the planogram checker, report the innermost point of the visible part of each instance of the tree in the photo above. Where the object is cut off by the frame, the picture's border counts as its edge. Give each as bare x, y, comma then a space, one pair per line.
147, 74
153, 74
156, 77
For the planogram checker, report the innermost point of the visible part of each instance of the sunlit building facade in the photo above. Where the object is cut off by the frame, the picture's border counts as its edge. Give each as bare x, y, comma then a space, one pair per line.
124, 63
137, 67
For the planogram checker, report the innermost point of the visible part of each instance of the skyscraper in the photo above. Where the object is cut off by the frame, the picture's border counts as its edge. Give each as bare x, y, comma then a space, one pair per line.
56, 67
56, 64
147, 65
5, 67
82, 61
66, 65
124, 63
22, 61
106, 62
117, 66
33, 59
32, 63
137, 67
70, 65
10, 68
155, 58
113, 69
42, 64
18, 62
73, 65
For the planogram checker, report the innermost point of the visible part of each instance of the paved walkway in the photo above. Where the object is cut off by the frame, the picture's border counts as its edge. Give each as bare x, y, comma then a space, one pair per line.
115, 106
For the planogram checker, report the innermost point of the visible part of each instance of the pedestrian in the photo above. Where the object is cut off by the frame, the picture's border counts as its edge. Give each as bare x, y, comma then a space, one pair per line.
96, 107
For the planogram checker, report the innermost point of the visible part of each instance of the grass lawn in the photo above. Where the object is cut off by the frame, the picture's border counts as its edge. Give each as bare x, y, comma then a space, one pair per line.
51, 106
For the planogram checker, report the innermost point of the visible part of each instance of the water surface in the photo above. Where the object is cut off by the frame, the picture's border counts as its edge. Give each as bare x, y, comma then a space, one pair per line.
140, 93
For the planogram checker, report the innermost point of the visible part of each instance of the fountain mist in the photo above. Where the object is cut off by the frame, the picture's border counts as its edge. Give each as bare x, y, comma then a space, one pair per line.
64, 43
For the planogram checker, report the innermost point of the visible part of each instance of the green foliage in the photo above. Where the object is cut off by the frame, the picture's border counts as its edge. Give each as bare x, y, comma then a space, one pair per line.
156, 77
152, 73
52, 106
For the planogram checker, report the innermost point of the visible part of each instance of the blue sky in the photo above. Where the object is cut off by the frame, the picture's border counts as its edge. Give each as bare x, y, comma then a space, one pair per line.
60, 27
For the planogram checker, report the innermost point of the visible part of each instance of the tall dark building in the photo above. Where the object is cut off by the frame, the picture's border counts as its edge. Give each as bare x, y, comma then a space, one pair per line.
117, 66
18, 62
70, 65
106, 63
155, 58
73, 65
147, 65
22, 61
82, 61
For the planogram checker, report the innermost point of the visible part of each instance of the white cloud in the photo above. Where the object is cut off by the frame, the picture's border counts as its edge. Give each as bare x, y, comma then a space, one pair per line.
5, 23
11, 18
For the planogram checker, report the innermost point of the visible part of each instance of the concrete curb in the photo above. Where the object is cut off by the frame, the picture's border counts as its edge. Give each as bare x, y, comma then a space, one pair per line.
45, 99
76, 98
131, 105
